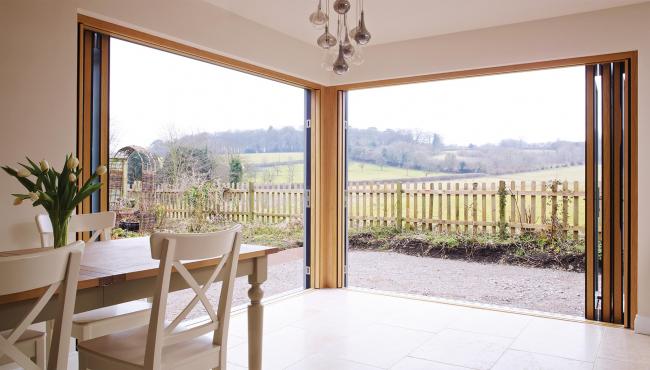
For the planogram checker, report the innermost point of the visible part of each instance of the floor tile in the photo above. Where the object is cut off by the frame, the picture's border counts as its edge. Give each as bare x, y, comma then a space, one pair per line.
489, 322
322, 362
519, 360
478, 351
624, 345
572, 340
282, 348
425, 317
411, 363
379, 345
606, 364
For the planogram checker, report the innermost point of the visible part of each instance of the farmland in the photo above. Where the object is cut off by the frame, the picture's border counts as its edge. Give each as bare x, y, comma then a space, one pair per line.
261, 168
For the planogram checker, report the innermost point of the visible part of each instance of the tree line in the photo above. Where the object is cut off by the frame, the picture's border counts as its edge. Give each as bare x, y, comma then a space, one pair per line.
211, 156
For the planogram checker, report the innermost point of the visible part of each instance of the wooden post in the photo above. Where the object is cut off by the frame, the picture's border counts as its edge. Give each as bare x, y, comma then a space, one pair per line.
554, 218
543, 204
565, 208
523, 216
371, 197
483, 207
502, 209
474, 207
493, 208
533, 202
576, 209
513, 208
251, 201
431, 189
398, 206
457, 204
385, 223
466, 206
440, 207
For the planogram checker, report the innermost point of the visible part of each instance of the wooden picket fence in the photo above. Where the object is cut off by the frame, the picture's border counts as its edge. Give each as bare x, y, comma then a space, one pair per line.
476, 207
468, 207
240, 202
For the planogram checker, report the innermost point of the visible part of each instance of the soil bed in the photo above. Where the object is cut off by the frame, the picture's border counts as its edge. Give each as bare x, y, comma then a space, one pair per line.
527, 250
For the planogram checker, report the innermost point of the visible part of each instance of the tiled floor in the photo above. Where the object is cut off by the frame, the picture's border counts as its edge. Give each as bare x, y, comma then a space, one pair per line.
354, 330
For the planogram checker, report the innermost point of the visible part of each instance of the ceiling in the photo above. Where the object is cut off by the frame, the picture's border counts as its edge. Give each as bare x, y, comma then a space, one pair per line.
393, 21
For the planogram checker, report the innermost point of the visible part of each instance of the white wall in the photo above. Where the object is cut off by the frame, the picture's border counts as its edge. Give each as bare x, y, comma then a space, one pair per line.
38, 72
601, 32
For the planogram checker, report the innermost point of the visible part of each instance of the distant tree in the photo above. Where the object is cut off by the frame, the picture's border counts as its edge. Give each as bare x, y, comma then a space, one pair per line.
437, 144
236, 169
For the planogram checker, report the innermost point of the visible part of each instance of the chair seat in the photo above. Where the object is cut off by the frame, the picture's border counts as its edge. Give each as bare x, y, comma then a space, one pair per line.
107, 320
26, 343
128, 347
27, 335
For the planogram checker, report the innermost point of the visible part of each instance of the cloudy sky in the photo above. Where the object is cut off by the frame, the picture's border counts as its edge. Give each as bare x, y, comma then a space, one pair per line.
153, 93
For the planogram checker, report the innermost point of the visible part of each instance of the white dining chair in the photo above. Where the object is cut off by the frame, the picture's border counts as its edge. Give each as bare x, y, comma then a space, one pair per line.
54, 270
105, 320
176, 344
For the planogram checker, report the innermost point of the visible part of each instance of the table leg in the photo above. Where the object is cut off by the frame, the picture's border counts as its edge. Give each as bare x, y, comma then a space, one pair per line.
256, 313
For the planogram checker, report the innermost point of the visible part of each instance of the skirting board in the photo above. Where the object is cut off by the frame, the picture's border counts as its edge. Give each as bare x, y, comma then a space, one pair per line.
642, 324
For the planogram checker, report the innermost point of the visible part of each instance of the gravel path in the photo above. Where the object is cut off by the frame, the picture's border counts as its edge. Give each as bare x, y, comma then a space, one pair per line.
512, 286
545, 290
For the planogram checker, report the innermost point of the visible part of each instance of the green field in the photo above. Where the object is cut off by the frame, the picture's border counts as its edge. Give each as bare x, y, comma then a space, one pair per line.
359, 171
293, 173
570, 174
270, 158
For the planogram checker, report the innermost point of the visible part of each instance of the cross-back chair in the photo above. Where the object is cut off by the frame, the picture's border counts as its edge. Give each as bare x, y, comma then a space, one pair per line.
105, 320
176, 345
52, 269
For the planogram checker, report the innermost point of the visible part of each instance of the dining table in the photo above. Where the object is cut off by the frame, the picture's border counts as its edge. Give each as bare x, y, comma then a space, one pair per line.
122, 270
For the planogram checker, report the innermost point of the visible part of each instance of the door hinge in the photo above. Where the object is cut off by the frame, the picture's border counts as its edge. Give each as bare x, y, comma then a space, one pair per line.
307, 198
307, 123
307, 270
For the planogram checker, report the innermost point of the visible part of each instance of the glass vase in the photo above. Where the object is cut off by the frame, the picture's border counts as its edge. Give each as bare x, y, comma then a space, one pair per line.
60, 231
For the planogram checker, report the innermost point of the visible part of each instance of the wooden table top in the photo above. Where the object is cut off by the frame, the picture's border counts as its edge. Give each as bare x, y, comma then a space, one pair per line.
108, 262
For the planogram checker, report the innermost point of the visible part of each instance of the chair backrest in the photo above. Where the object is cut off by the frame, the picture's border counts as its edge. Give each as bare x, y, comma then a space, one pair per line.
100, 223
52, 269
171, 249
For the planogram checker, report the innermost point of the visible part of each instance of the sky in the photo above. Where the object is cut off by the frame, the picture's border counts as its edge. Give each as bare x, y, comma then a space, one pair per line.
154, 94
538, 106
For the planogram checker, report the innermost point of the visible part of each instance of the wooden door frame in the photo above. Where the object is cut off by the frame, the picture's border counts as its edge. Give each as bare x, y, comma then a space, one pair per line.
87, 23
632, 56
328, 154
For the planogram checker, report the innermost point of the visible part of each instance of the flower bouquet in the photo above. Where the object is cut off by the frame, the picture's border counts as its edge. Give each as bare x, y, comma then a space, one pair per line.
58, 192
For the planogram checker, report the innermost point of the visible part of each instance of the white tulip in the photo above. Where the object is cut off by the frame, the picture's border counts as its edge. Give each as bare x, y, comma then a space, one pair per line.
72, 177
44, 165
33, 197
23, 172
101, 170
18, 201
72, 163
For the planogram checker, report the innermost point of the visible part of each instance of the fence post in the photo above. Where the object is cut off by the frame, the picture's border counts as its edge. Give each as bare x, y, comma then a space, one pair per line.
502, 210
251, 201
398, 206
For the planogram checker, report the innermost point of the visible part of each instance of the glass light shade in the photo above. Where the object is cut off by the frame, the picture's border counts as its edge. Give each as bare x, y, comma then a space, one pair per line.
318, 18
353, 32
328, 59
348, 49
357, 58
326, 40
362, 36
340, 65
342, 6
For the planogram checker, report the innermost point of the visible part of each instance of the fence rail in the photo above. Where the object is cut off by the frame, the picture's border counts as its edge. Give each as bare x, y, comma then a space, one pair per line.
442, 206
